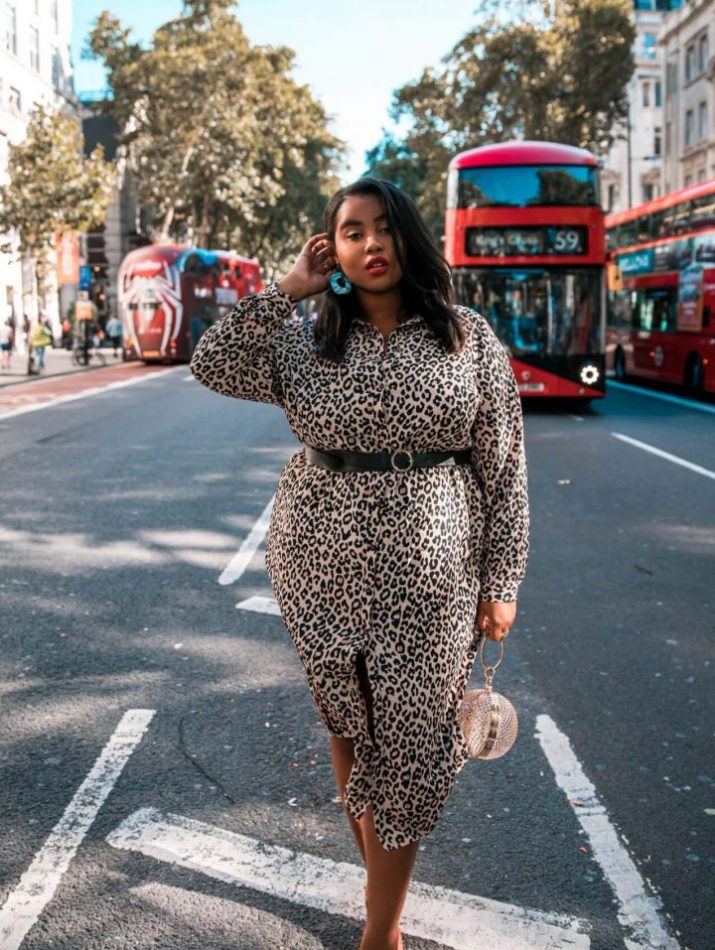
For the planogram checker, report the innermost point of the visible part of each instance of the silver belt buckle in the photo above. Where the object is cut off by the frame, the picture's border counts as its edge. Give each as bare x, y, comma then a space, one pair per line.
394, 464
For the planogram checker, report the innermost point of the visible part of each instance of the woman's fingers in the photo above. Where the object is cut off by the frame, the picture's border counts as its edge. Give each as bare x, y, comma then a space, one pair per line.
323, 254
495, 619
494, 632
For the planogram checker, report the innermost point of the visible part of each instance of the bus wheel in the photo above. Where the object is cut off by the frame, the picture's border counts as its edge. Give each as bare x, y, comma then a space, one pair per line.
694, 376
619, 366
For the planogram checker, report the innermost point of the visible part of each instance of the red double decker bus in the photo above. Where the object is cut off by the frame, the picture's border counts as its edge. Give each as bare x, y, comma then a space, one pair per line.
661, 289
168, 295
524, 235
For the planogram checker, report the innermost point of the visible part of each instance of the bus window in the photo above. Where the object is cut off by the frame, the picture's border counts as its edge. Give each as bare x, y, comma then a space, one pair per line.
524, 186
535, 313
644, 232
703, 211
628, 233
237, 272
194, 264
657, 225
677, 218
657, 309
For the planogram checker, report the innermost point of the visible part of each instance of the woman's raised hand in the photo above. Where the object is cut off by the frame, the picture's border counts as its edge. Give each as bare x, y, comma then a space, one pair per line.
311, 272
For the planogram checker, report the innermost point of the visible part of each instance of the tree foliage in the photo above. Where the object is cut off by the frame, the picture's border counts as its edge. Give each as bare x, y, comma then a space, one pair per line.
225, 148
529, 75
52, 187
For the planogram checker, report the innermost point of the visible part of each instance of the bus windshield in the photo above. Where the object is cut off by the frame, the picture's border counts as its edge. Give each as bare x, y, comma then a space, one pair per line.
526, 186
537, 312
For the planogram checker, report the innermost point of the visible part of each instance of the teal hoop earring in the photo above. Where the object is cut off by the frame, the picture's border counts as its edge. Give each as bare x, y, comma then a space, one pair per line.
339, 283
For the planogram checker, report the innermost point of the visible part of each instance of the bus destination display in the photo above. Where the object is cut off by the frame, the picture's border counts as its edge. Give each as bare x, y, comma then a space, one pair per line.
526, 241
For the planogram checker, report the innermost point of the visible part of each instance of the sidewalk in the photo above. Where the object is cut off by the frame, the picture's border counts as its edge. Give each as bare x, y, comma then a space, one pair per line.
58, 362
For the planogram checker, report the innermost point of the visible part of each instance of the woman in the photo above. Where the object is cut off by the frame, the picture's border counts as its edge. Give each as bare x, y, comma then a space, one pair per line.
41, 337
7, 334
399, 531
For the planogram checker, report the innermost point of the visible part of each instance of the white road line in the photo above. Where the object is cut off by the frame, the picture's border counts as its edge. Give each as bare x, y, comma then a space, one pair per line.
39, 883
71, 397
454, 919
242, 558
639, 912
261, 605
665, 455
666, 397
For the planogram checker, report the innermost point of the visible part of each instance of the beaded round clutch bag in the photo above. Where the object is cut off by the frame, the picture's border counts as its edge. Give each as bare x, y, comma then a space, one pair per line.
487, 719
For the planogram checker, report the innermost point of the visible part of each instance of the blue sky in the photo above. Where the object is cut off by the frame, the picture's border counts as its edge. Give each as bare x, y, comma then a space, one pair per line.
351, 55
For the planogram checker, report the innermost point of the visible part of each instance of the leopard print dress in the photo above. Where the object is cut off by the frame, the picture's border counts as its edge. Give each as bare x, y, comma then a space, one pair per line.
386, 564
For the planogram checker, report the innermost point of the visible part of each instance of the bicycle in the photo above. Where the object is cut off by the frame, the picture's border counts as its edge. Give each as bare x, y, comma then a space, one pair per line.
82, 355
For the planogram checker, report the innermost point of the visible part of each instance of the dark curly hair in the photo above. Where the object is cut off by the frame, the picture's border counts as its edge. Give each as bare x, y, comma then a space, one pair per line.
426, 278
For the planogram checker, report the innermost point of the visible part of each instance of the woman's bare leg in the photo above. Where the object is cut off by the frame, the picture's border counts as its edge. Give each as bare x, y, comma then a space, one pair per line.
388, 880
343, 752
388, 872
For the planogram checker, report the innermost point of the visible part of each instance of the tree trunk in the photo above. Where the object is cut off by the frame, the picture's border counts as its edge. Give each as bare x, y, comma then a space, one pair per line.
205, 223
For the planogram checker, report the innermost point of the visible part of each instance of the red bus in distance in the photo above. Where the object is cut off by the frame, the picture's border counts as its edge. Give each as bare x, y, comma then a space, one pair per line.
661, 290
168, 295
524, 235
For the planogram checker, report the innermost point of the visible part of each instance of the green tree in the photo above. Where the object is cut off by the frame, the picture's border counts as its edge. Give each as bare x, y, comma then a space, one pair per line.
395, 160
52, 187
532, 74
225, 148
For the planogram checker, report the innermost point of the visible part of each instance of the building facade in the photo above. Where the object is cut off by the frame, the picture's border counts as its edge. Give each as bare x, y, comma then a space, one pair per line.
124, 227
632, 168
687, 41
35, 69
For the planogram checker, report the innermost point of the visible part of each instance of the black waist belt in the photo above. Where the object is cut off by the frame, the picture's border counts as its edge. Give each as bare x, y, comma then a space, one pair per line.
388, 460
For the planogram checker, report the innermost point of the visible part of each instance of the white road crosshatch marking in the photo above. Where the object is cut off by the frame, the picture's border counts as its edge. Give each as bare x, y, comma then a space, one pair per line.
261, 605
39, 883
638, 912
242, 558
454, 919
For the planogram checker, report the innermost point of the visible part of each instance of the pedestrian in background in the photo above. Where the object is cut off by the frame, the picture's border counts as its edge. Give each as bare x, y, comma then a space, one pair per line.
41, 337
114, 333
7, 334
67, 333
399, 531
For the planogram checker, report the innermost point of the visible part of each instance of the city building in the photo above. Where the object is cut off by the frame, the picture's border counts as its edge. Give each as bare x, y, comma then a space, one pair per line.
687, 39
632, 168
125, 225
35, 69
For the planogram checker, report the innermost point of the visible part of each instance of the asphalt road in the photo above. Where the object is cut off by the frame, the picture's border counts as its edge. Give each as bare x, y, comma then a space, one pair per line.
120, 511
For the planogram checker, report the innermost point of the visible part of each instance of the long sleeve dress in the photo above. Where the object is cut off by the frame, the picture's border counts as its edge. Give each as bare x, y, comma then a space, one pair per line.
388, 564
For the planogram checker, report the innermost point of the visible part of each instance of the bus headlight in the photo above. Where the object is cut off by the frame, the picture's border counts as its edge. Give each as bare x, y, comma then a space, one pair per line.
589, 374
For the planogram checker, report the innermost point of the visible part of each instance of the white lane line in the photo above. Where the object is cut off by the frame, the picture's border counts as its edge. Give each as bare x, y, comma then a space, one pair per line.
664, 455
638, 912
242, 558
71, 397
454, 919
39, 883
261, 605
666, 397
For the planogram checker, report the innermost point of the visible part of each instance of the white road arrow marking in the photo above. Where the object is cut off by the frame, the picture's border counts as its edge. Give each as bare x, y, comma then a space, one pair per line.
39, 883
242, 558
457, 920
261, 605
638, 912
